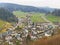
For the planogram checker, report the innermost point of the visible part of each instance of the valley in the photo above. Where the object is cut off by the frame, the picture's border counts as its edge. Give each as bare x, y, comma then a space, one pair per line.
36, 17
28, 25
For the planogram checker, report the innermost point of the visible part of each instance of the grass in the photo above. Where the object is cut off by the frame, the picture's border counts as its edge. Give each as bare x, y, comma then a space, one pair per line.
4, 26
54, 40
2, 23
53, 18
19, 14
36, 17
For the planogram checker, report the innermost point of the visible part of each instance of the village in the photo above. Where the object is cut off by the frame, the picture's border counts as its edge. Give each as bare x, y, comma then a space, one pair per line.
36, 30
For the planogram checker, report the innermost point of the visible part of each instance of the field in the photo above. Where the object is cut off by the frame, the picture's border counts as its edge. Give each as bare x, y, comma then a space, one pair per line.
36, 17
19, 14
53, 18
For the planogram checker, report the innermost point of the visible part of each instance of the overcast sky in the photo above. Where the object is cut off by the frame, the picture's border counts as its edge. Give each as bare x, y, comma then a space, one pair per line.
37, 3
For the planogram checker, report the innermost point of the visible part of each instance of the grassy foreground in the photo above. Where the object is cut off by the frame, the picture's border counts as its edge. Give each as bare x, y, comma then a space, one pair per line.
2, 23
55, 40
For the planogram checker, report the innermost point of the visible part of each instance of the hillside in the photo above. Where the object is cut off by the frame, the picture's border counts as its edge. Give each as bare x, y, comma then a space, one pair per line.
24, 8
56, 12
2, 23
55, 40
5, 15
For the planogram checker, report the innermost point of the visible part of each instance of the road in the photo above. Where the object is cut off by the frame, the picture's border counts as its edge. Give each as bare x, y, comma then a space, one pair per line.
19, 21
44, 17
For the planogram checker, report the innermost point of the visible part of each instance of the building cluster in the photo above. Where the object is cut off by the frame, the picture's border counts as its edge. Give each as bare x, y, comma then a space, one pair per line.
36, 30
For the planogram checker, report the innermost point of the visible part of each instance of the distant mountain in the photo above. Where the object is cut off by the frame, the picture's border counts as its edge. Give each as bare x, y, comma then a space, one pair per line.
7, 16
24, 8
56, 12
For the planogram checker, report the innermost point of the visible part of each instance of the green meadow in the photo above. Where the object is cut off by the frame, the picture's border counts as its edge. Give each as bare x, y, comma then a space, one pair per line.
36, 17
53, 18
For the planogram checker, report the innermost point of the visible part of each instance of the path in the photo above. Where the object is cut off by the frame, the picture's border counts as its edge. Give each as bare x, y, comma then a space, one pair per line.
44, 17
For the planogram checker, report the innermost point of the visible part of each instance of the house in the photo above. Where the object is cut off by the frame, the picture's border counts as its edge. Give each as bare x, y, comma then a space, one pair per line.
8, 38
33, 37
48, 33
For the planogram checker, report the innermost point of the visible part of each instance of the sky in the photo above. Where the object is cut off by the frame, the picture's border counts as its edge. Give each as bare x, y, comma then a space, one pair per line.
36, 3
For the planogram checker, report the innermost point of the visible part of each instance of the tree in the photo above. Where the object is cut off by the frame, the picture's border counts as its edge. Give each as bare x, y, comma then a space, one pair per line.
28, 39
